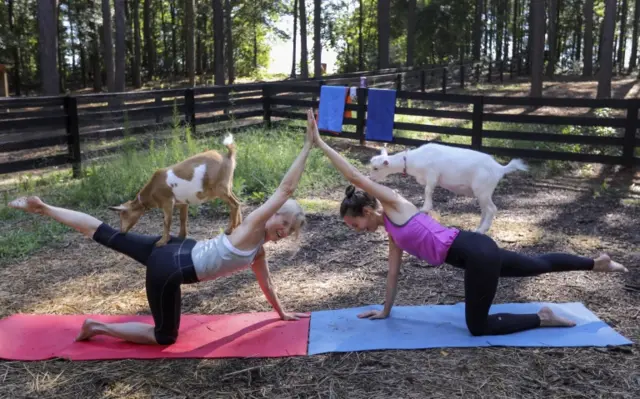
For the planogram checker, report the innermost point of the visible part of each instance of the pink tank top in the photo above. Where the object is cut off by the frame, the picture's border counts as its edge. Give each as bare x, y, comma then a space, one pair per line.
423, 237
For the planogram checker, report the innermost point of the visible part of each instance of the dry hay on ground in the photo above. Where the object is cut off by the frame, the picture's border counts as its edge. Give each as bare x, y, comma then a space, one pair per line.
337, 268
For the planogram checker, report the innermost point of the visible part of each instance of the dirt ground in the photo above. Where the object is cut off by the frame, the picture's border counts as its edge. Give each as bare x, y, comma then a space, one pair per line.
338, 268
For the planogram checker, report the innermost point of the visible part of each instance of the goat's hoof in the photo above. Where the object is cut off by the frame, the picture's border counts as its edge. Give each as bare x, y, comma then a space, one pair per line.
162, 242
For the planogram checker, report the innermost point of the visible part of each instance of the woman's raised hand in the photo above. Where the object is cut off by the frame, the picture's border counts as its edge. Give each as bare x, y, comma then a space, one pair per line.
313, 136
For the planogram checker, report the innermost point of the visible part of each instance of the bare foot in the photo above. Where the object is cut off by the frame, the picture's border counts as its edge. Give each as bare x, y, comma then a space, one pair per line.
604, 264
88, 330
28, 204
550, 319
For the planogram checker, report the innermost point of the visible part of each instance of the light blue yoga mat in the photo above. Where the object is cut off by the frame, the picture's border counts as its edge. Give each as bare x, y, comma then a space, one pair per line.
440, 326
381, 109
331, 109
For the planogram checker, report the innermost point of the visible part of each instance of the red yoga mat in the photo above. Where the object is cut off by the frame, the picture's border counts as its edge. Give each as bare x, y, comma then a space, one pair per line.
41, 337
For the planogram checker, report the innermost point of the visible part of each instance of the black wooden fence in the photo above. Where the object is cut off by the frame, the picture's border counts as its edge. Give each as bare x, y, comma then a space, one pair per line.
53, 131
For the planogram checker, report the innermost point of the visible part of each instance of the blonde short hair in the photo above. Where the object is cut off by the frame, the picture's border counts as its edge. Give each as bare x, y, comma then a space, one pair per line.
291, 207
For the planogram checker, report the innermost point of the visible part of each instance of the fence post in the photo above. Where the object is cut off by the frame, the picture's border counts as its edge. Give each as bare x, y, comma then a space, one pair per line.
444, 80
631, 126
477, 74
423, 79
476, 130
462, 69
158, 103
362, 111
501, 71
73, 135
399, 82
190, 110
266, 105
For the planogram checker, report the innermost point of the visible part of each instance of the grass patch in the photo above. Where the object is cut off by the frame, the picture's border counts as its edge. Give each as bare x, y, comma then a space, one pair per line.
318, 205
263, 158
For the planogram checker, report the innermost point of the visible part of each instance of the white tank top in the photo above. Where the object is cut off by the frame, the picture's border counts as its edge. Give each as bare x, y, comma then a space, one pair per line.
217, 257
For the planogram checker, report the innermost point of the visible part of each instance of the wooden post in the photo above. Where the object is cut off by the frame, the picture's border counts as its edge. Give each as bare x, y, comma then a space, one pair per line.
422, 80
501, 71
73, 135
631, 126
266, 106
462, 69
490, 72
190, 110
362, 111
478, 74
4, 82
158, 103
476, 133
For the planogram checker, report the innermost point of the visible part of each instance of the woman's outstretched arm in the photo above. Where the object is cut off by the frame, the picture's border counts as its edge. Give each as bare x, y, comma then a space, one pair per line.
288, 184
382, 193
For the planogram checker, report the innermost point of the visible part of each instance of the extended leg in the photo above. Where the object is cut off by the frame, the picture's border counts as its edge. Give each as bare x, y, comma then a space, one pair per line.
520, 265
85, 224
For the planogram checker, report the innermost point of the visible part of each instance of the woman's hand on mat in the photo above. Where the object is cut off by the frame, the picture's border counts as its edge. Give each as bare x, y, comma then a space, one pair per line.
294, 316
374, 314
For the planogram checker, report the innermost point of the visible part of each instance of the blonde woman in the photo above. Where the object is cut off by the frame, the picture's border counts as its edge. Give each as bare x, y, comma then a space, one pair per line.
187, 261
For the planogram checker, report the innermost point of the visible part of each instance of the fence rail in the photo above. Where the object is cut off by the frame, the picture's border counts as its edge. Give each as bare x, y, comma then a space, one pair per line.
51, 131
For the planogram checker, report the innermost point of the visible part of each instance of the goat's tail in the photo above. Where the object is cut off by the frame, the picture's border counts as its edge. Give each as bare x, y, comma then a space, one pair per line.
514, 165
231, 146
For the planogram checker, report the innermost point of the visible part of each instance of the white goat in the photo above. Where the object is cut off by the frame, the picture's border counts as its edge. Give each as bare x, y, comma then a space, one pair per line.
462, 171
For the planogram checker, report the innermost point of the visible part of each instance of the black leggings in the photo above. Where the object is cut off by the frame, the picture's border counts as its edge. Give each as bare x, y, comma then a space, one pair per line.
484, 263
168, 267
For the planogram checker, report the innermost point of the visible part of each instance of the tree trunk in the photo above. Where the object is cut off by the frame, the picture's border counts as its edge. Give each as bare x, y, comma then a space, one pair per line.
48, 47
514, 48
304, 55
15, 50
477, 29
383, 33
579, 24
62, 70
499, 28
317, 46
148, 39
634, 40
218, 42
505, 35
174, 38
411, 31
485, 28
121, 24
606, 54
107, 44
553, 37
137, 61
537, 46
190, 37
295, 37
623, 35
199, 57
229, 45
360, 37
588, 38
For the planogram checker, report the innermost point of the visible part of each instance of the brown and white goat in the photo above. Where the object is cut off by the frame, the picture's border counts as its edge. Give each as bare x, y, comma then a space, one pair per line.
202, 177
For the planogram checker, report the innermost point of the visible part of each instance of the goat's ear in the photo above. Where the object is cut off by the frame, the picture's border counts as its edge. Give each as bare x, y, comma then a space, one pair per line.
118, 208
386, 163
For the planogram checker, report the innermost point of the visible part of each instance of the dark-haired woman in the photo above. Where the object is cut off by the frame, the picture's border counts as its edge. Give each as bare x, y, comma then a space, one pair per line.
483, 261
